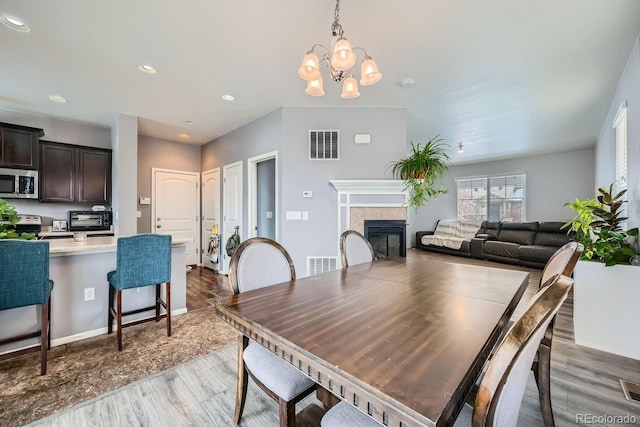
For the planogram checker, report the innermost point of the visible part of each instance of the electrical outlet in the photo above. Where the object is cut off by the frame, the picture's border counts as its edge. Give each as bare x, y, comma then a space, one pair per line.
89, 294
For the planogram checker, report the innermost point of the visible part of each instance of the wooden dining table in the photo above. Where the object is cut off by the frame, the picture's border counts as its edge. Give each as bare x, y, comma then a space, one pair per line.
402, 339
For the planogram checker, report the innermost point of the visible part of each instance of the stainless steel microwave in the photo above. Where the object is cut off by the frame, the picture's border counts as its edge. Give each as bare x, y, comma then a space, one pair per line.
89, 220
18, 184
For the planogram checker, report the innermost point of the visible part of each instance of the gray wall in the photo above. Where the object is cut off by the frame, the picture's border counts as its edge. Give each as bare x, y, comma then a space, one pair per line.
629, 91
57, 131
163, 154
552, 180
319, 235
286, 131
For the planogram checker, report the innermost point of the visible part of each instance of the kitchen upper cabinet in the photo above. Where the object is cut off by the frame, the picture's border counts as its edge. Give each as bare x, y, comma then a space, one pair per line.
19, 146
71, 173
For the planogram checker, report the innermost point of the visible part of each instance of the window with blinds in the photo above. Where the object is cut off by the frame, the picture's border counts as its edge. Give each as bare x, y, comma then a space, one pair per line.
620, 126
493, 198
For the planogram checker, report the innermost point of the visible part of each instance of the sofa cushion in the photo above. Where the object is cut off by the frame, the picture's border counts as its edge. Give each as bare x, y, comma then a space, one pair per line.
550, 234
501, 249
490, 228
536, 253
523, 233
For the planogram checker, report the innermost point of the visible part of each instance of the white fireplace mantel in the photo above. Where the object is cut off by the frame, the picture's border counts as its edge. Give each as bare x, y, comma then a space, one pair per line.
369, 186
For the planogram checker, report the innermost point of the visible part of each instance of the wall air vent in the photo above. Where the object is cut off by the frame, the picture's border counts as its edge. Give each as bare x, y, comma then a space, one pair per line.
317, 264
324, 145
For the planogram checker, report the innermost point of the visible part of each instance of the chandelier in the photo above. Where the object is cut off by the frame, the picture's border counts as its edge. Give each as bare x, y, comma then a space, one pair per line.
339, 60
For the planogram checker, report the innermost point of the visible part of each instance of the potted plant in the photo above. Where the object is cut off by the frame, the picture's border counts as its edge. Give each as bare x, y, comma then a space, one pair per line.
607, 288
421, 169
598, 226
8, 220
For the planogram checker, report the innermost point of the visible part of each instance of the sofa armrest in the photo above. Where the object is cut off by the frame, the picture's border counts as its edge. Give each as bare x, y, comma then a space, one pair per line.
476, 245
419, 235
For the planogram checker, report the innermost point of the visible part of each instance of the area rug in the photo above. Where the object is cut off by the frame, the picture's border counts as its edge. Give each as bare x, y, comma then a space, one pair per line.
82, 370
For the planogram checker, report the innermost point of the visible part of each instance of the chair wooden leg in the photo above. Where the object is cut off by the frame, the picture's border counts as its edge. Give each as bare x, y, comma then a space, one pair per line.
110, 310
287, 412
543, 377
43, 338
119, 319
168, 302
158, 302
49, 324
243, 380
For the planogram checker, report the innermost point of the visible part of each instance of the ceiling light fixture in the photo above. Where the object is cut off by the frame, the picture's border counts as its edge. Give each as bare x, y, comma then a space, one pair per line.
339, 59
15, 23
146, 68
228, 97
57, 98
189, 122
460, 147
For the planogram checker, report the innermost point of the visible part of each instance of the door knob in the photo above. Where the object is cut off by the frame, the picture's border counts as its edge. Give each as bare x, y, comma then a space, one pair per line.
158, 226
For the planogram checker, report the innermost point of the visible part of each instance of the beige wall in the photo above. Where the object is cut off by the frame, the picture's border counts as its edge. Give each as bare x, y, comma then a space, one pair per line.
163, 154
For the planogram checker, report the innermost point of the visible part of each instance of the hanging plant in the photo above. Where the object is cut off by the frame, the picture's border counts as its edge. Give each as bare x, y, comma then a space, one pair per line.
420, 171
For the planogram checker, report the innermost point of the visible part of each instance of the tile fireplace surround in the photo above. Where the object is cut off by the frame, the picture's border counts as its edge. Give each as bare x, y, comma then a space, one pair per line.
368, 199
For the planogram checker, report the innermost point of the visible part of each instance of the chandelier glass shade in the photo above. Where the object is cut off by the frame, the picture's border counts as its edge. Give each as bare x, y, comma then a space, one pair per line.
339, 60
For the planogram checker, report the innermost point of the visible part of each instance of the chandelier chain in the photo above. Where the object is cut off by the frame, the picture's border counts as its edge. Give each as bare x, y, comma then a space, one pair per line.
336, 28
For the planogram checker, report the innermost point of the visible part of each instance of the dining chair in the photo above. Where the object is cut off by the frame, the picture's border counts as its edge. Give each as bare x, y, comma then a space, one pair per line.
141, 260
24, 281
256, 263
355, 249
502, 388
563, 261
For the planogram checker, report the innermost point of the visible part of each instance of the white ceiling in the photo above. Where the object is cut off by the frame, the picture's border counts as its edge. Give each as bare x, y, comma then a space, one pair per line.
506, 78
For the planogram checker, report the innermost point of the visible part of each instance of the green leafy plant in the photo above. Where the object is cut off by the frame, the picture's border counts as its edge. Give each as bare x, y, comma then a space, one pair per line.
8, 220
598, 226
421, 169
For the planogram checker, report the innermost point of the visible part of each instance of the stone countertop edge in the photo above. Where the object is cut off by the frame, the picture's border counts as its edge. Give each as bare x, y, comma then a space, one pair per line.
93, 245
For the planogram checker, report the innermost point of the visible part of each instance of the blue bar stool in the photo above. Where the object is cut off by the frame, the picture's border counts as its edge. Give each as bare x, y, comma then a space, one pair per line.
24, 281
141, 260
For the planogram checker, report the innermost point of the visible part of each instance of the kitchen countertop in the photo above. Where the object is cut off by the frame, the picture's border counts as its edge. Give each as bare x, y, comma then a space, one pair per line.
63, 247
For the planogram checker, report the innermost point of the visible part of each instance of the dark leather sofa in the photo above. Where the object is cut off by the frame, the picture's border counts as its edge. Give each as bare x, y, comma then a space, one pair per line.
529, 244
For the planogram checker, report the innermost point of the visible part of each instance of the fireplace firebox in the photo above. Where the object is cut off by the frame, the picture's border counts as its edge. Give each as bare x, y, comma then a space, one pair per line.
387, 236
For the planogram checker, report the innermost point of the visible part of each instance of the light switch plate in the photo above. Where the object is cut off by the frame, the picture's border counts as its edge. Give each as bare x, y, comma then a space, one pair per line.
307, 193
294, 215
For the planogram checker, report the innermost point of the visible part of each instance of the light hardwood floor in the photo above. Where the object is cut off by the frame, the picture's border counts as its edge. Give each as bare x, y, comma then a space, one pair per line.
584, 386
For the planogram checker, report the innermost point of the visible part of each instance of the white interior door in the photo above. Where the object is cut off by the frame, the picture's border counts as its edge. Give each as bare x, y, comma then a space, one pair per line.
175, 208
211, 217
232, 207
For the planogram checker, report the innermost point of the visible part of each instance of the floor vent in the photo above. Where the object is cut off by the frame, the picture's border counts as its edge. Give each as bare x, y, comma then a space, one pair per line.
317, 264
631, 390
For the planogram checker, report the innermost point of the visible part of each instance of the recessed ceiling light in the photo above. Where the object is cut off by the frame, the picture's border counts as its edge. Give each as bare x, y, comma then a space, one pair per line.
189, 123
57, 98
146, 68
228, 97
407, 83
15, 23
184, 136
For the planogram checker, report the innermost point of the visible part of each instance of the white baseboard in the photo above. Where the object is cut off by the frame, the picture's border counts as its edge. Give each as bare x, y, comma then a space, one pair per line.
89, 334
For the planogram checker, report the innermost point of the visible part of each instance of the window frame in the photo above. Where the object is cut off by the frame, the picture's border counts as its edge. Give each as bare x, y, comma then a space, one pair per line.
487, 187
621, 138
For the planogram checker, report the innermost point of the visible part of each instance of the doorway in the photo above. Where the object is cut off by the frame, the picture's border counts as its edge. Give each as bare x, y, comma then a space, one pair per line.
263, 195
175, 208
211, 220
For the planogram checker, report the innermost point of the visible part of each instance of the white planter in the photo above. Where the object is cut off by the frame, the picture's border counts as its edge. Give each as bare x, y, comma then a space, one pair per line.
606, 307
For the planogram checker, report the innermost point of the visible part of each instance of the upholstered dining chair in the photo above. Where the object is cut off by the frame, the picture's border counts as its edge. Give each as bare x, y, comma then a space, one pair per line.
502, 388
24, 281
256, 263
355, 249
141, 260
563, 261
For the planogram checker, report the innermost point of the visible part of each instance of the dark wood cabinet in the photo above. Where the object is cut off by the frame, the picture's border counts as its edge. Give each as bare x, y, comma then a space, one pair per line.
19, 146
71, 173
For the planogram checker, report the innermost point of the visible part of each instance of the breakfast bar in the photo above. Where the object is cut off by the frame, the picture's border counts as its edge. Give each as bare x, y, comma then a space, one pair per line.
79, 300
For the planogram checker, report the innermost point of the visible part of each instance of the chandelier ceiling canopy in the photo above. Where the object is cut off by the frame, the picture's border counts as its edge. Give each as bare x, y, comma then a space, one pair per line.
339, 60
